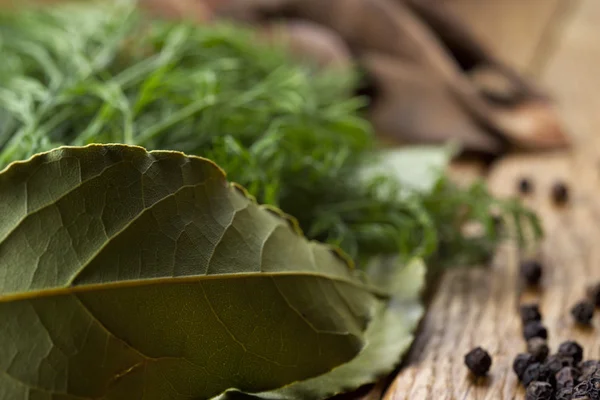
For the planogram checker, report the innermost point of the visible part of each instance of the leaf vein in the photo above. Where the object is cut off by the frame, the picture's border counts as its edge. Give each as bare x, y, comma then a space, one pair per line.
108, 331
142, 355
233, 336
54, 201
226, 228
125, 227
318, 331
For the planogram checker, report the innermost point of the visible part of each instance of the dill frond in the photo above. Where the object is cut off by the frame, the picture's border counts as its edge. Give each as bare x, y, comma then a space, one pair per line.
294, 137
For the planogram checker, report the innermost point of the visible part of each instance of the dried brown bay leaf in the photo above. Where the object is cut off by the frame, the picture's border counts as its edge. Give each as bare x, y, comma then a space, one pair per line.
126, 274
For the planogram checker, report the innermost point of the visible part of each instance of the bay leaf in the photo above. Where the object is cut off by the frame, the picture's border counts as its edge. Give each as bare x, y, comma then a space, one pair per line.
129, 274
388, 337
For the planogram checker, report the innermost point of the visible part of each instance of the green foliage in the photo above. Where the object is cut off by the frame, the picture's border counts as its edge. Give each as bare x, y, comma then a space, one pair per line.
84, 75
461, 207
293, 136
231, 295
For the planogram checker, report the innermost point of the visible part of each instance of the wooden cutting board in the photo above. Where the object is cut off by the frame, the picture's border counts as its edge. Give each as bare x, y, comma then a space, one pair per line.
479, 306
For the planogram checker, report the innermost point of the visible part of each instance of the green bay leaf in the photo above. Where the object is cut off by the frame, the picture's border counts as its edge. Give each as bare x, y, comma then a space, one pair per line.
388, 337
131, 274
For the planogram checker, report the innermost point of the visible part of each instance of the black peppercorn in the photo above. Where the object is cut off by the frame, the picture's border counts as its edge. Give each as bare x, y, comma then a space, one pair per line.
525, 186
584, 390
571, 349
593, 293
531, 271
560, 193
535, 329
539, 391
556, 362
583, 312
478, 361
521, 362
595, 383
530, 312
589, 368
564, 394
537, 372
538, 348
566, 378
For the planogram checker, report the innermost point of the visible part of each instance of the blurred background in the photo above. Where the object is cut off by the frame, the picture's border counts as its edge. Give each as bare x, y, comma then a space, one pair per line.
495, 76
554, 41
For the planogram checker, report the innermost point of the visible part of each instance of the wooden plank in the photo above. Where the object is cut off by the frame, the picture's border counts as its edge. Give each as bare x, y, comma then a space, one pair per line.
478, 306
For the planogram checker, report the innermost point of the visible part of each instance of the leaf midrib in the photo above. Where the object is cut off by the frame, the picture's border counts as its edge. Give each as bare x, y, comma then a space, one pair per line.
42, 293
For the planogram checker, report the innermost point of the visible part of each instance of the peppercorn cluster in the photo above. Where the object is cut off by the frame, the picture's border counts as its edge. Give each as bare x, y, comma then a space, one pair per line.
563, 375
560, 376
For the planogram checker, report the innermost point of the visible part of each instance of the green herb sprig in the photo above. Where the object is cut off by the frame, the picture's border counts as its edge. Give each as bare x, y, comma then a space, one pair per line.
293, 136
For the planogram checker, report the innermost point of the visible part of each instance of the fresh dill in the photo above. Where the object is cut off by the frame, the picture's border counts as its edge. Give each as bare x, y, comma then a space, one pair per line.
293, 136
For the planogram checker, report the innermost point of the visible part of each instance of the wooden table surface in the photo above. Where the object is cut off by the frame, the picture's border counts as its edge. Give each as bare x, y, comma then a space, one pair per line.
479, 306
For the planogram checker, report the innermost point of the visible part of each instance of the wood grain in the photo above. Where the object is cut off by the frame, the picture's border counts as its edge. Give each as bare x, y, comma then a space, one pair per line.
479, 306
